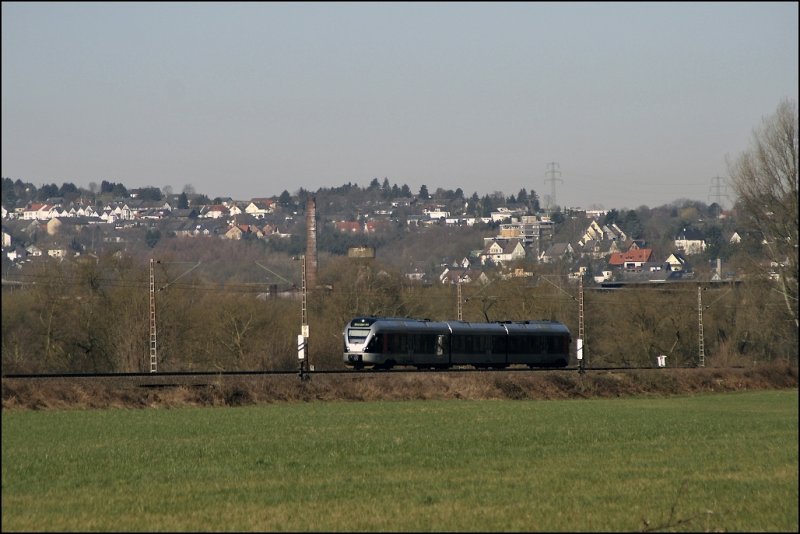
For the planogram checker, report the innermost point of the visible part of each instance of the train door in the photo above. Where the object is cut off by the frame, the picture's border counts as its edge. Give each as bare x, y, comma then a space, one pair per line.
442, 354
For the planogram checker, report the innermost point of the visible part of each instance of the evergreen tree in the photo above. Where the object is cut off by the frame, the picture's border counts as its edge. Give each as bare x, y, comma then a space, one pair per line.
285, 200
47, 191
535, 207
632, 225
612, 217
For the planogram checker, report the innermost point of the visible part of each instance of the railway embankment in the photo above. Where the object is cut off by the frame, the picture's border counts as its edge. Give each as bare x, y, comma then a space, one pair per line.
238, 390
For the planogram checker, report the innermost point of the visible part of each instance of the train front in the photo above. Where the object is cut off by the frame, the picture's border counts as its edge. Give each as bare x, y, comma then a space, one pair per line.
358, 334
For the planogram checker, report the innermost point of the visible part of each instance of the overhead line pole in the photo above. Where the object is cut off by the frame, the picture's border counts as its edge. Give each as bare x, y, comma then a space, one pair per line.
579, 351
701, 342
302, 339
153, 351
458, 296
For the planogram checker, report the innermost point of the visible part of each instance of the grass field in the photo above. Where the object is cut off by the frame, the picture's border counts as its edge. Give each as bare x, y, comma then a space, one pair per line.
726, 462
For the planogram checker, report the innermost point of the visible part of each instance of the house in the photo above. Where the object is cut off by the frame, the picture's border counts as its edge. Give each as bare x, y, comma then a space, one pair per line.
258, 209
416, 275
118, 211
502, 252
267, 203
690, 241
353, 227
465, 276
184, 228
214, 211
502, 214
517, 272
603, 275
57, 252
270, 231
6, 239
464, 263
59, 224
212, 227
62, 212
557, 252
633, 259
578, 272
598, 249
86, 211
436, 212
376, 225
186, 213
733, 238
238, 231
33, 251
37, 211
597, 232
677, 262
17, 254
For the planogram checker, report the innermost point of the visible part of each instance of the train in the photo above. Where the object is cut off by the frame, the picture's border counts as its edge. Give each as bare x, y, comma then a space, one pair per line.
384, 342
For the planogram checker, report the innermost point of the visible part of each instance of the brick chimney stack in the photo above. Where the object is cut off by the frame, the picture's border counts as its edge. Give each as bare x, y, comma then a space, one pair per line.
311, 243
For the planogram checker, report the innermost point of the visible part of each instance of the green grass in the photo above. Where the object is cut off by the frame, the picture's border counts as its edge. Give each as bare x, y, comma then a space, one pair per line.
713, 462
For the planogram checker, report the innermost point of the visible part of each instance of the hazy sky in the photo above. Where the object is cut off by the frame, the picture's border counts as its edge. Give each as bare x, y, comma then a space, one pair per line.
637, 103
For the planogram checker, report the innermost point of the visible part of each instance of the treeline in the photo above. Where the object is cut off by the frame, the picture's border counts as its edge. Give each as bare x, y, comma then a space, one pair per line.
93, 316
15, 192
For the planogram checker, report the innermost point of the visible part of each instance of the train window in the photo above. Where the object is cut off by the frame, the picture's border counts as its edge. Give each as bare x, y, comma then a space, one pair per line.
498, 344
357, 335
476, 344
459, 344
516, 345
376, 344
398, 343
425, 343
553, 345
441, 345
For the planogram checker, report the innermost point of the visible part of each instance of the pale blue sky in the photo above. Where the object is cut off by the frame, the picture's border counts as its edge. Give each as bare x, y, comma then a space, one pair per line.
638, 103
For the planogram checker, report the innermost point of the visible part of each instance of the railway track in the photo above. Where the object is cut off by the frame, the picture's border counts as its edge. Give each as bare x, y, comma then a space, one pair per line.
209, 376
237, 388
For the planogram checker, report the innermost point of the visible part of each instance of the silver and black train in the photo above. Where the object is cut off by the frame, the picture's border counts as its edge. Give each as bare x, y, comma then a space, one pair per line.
383, 342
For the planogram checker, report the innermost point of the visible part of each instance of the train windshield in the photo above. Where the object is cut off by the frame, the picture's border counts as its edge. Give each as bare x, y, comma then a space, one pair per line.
357, 335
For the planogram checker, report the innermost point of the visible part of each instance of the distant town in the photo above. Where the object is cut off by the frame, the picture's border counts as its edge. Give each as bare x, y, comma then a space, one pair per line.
511, 236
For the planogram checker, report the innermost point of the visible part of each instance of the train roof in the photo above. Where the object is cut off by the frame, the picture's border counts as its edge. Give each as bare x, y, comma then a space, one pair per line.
513, 327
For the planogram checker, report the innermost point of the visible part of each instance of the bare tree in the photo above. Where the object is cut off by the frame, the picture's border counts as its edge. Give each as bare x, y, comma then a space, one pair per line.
765, 180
